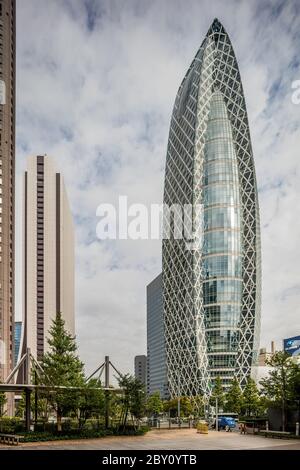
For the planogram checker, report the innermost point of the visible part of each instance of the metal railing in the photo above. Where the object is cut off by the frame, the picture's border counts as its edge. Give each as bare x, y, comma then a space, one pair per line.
171, 423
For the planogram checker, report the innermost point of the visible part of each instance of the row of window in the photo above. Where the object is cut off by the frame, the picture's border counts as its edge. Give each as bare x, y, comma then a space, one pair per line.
227, 361
40, 260
221, 194
225, 168
217, 149
228, 265
225, 290
217, 109
221, 241
220, 165
220, 178
185, 92
225, 375
218, 128
222, 341
180, 138
221, 217
224, 315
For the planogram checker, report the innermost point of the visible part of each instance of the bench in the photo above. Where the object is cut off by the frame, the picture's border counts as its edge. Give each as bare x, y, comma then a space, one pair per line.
275, 434
9, 439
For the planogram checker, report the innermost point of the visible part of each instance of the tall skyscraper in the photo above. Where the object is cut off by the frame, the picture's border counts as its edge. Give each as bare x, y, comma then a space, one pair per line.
18, 332
48, 254
156, 356
212, 293
140, 369
7, 183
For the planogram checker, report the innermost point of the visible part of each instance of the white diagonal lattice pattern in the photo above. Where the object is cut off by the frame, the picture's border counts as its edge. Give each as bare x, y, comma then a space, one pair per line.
214, 70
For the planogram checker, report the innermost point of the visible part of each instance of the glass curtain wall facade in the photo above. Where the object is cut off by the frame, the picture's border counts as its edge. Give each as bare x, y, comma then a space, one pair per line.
156, 357
18, 332
211, 294
222, 243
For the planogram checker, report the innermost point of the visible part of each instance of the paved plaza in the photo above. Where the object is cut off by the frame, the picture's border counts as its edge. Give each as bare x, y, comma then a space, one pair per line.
183, 439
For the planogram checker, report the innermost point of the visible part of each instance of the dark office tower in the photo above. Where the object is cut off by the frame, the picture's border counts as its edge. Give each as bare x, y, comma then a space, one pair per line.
156, 356
7, 184
211, 289
140, 369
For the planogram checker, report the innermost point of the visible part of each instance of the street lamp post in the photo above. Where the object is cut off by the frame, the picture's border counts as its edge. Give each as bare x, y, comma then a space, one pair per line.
178, 397
217, 421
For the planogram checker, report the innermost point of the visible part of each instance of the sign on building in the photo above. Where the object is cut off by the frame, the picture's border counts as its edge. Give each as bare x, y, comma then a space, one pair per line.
292, 345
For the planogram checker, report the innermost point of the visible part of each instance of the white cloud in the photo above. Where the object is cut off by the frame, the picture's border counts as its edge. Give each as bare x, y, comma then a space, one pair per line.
99, 100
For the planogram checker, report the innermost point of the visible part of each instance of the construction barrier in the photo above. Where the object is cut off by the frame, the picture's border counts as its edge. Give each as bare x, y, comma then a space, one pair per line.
202, 427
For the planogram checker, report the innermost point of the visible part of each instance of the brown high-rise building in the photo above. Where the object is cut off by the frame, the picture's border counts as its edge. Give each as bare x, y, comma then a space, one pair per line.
7, 182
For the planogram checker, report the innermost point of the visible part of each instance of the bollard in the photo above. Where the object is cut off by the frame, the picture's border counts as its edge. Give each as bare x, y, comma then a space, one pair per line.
297, 429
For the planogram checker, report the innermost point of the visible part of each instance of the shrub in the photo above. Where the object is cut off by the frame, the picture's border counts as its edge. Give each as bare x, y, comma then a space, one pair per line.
11, 425
82, 434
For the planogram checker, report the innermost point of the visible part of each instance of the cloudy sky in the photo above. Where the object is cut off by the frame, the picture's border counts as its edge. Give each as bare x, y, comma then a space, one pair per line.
96, 81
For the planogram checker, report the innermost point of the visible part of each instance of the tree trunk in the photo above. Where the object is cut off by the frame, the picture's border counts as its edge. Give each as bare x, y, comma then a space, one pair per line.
283, 416
59, 416
133, 422
81, 421
125, 418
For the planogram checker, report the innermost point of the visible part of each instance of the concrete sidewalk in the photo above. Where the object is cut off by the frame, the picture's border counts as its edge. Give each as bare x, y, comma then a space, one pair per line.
183, 439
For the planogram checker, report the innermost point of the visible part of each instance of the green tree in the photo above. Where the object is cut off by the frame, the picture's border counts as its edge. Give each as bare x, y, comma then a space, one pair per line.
115, 408
217, 393
20, 407
295, 383
185, 406
43, 407
197, 406
154, 404
295, 388
251, 403
277, 386
91, 402
133, 398
62, 367
233, 398
2, 403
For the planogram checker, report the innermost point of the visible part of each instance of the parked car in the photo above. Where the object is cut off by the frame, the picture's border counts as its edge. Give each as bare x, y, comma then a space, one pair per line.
225, 422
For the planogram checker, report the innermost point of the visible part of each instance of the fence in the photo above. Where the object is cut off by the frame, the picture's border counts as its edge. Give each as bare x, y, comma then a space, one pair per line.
171, 423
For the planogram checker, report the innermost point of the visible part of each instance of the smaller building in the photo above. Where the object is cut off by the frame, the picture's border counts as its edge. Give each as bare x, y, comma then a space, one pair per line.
260, 372
264, 355
18, 331
261, 369
140, 369
156, 352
